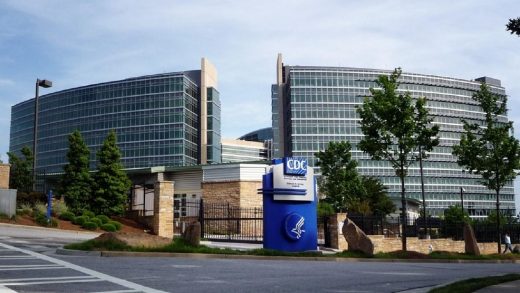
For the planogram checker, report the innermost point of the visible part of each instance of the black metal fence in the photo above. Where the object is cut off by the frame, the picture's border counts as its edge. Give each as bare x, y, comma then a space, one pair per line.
434, 227
220, 221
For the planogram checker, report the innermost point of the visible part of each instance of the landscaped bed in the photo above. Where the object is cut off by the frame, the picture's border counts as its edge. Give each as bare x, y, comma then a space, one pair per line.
178, 245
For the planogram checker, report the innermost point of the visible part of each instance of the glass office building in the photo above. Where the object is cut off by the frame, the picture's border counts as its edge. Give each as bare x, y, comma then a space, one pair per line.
170, 119
313, 105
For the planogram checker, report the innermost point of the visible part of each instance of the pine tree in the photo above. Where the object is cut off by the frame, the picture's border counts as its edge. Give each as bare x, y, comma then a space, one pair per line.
76, 182
111, 182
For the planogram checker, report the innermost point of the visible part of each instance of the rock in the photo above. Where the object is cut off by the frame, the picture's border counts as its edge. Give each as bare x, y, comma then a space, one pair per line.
135, 239
516, 249
357, 239
470, 242
192, 234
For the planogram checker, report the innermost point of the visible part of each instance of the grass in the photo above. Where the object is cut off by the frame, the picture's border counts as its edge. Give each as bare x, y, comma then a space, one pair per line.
471, 285
178, 245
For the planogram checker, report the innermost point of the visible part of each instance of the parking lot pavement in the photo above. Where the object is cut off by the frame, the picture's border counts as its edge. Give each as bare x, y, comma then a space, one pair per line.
23, 270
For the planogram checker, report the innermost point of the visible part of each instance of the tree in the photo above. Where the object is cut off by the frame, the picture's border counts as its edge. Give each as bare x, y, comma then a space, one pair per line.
454, 219
76, 182
21, 170
514, 26
345, 189
339, 181
491, 150
427, 139
111, 182
377, 197
389, 123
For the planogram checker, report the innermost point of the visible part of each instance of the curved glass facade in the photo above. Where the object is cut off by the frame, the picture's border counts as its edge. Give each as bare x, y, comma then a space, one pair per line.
156, 119
315, 105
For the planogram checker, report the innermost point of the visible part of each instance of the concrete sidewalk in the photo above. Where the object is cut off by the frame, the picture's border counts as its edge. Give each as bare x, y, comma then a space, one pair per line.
508, 287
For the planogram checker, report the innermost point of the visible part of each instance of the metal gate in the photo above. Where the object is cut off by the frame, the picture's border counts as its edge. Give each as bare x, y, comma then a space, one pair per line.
219, 221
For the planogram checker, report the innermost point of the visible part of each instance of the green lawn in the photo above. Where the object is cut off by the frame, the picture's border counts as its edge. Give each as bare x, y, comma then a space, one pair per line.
471, 285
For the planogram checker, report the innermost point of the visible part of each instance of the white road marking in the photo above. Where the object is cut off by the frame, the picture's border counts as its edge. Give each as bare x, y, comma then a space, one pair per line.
86, 271
25, 266
396, 273
6, 290
40, 268
52, 282
117, 291
46, 279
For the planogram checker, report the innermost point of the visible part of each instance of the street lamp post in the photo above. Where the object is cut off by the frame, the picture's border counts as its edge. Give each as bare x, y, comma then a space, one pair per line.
45, 83
462, 190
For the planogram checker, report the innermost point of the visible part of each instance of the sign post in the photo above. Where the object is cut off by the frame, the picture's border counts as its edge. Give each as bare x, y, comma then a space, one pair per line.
289, 198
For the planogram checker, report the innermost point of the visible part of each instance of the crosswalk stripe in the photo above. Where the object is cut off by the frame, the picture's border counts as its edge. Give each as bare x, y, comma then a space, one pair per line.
44, 279
40, 268
51, 282
90, 272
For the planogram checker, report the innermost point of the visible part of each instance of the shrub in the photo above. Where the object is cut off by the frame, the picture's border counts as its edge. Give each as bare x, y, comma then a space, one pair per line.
67, 216
90, 225
88, 214
80, 220
116, 224
30, 198
109, 227
25, 209
59, 207
40, 208
97, 221
40, 219
104, 219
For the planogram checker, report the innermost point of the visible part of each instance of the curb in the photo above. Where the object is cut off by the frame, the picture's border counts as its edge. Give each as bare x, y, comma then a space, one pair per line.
260, 257
63, 251
48, 228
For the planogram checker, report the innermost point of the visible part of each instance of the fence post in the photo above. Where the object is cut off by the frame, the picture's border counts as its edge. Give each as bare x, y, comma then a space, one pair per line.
201, 217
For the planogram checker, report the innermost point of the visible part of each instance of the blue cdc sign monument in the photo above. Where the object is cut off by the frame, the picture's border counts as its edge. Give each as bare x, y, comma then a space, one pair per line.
289, 198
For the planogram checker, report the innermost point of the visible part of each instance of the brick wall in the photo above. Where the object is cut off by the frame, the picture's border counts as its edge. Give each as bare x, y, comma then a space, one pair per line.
4, 176
242, 194
382, 244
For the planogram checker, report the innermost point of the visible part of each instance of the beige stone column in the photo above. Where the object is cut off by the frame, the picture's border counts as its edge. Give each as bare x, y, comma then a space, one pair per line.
4, 176
337, 241
163, 209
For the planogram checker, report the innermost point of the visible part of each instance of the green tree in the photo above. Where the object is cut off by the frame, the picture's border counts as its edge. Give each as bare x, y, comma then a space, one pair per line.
377, 196
20, 176
514, 26
111, 182
493, 220
76, 182
490, 150
339, 181
389, 123
427, 139
454, 215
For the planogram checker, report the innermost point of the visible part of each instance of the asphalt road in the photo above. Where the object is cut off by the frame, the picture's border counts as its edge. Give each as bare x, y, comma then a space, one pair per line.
34, 267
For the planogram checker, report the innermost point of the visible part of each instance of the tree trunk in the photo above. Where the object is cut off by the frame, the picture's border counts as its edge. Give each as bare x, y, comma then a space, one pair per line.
499, 236
422, 191
403, 210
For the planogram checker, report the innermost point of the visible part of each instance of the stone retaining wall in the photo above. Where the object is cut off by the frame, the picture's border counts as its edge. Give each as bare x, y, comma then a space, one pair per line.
382, 244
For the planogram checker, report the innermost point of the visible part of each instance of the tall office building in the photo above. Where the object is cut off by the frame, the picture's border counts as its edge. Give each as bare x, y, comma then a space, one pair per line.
313, 105
170, 119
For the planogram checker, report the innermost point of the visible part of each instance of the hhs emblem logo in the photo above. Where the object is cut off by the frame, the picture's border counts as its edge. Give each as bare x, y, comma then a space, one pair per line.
294, 224
295, 166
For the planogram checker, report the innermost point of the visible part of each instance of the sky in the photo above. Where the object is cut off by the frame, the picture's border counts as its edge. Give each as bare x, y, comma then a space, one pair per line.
75, 43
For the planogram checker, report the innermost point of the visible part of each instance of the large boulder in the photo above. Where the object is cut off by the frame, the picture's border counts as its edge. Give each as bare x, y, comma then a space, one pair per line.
135, 239
192, 234
470, 241
516, 249
357, 239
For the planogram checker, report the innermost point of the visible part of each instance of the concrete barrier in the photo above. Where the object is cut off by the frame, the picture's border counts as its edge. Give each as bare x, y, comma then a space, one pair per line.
8, 202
